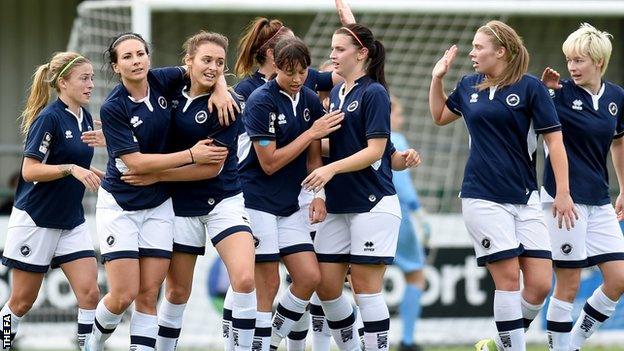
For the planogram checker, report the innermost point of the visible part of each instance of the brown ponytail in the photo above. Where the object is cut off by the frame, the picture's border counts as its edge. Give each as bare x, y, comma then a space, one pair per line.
259, 36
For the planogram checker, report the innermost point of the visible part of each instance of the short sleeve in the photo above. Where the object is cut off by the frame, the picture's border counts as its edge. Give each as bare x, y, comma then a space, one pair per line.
41, 137
120, 139
376, 110
453, 102
170, 78
260, 117
542, 109
320, 81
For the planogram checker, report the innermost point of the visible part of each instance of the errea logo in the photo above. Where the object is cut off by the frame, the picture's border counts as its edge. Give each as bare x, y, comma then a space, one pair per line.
473, 98
135, 121
68, 134
577, 105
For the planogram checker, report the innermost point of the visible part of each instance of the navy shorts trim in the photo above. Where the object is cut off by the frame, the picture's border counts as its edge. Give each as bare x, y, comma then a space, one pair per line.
333, 258
58, 261
154, 253
501, 255
359, 259
267, 258
570, 264
230, 231
614, 256
296, 249
545, 254
193, 250
118, 255
22, 266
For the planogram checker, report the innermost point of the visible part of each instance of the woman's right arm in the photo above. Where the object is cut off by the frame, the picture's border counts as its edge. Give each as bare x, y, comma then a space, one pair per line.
35, 171
123, 144
437, 99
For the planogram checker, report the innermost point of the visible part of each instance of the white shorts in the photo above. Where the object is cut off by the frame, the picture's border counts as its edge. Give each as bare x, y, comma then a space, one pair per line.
227, 217
277, 236
35, 249
502, 231
595, 238
133, 234
305, 198
360, 238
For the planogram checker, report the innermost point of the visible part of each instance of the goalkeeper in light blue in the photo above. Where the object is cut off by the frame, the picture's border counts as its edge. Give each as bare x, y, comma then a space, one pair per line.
410, 256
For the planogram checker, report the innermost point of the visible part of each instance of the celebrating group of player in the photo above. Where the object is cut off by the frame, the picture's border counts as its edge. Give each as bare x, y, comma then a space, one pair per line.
185, 165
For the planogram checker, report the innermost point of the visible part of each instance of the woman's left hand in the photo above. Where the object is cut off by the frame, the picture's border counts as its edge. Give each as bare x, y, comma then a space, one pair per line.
316, 180
411, 158
94, 138
317, 211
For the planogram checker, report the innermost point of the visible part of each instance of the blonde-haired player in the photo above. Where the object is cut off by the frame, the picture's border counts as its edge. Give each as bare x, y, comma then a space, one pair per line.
590, 111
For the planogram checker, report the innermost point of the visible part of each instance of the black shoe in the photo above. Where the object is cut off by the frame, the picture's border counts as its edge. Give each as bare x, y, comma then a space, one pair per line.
410, 347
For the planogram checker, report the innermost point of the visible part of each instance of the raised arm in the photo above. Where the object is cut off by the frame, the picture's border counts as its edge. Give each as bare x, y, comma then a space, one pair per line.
344, 12
437, 99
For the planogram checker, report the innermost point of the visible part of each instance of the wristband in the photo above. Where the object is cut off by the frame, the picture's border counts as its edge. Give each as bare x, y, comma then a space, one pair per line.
320, 194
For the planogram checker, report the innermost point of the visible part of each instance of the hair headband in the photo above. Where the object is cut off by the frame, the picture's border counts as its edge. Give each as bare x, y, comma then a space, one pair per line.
355, 36
67, 67
496, 35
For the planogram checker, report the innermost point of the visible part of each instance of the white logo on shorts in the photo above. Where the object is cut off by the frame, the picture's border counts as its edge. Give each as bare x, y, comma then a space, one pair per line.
566, 248
25, 250
110, 240
613, 109
486, 243
368, 246
352, 106
306, 114
201, 117
512, 100
162, 102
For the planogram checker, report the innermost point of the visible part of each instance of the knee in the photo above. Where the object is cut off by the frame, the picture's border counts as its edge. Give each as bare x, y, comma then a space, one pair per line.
88, 297
20, 306
614, 284
310, 281
177, 294
245, 283
148, 298
537, 291
119, 301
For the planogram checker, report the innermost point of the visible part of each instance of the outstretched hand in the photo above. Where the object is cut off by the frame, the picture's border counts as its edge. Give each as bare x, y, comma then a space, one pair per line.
550, 78
442, 66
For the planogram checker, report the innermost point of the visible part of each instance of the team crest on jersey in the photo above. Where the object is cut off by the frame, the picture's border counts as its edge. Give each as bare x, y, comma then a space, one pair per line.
512, 100
25, 250
352, 106
45, 143
211, 201
551, 92
272, 117
613, 109
486, 243
566, 248
68, 134
135, 121
577, 105
306, 115
281, 119
473, 98
201, 117
372, 198
162, 102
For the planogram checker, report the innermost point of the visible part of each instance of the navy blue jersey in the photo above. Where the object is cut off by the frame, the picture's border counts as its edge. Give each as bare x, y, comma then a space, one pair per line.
54, 139
191, 123
367, 116
589, 123
317, 81
503, 124
271, 114
138, 126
